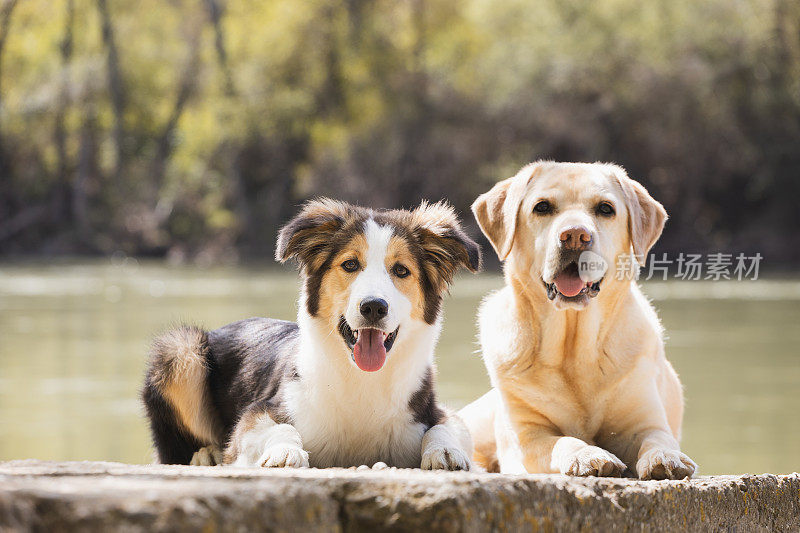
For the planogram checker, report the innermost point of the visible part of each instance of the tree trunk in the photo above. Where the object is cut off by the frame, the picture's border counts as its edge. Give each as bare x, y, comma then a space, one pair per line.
231, 152
86, 173
215, 13
61, 199
6, 11
186, 86
116, 88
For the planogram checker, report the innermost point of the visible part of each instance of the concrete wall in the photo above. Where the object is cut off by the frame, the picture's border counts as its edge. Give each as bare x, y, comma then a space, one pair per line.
103, 496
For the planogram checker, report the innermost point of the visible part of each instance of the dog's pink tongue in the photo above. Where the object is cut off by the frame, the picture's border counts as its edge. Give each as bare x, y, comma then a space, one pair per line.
369, 352
569, 283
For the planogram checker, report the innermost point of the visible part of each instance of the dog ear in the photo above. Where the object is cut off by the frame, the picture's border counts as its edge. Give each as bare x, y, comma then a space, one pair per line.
311, 231
646, 217
445, 244
496, 211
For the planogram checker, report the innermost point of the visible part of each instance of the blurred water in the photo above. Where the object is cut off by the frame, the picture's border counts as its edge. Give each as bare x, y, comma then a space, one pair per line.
73, 343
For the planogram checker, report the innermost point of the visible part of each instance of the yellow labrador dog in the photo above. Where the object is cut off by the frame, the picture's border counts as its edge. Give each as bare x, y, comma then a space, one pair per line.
573, 348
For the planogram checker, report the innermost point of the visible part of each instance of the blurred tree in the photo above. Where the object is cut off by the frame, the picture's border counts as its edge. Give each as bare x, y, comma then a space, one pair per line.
193, 129
6, 11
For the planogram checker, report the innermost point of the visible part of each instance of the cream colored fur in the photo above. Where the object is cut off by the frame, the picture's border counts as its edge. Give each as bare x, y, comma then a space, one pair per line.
582, 389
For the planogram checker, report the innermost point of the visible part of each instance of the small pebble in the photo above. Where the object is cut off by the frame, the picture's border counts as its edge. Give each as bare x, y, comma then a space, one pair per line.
362, 467
380, 465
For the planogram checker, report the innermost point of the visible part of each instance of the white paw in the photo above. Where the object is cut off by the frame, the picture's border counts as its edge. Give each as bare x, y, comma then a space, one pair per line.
281, 456
207, 456
440, 458
665, 464
593, 461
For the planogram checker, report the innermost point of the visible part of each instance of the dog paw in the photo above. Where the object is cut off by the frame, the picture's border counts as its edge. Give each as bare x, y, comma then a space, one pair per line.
207, 456
445, 459
284, 456
665, 464
593, 461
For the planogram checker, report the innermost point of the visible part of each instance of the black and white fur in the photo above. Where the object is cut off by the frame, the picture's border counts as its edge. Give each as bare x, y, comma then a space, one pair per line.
265, 392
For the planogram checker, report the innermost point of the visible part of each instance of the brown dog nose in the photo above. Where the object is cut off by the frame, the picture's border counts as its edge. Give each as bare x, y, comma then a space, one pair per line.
576, 238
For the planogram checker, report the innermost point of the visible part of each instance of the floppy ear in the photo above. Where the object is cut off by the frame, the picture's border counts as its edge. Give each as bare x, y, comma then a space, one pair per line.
445, 244
496, 211
646, 217
311, 231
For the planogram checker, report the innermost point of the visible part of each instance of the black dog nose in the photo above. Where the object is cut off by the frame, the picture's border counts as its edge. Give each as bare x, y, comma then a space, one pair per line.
374, 308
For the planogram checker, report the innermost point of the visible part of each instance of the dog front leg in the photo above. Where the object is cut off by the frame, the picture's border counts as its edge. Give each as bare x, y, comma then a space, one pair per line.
660, 457
575, 457
260, 441
447, 446
544, 451
528, 442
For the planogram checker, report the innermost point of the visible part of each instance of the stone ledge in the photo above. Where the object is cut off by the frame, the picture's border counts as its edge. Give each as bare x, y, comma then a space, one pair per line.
93, 496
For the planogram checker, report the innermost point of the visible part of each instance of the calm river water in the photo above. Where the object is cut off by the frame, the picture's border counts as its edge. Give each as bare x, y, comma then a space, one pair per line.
73, 344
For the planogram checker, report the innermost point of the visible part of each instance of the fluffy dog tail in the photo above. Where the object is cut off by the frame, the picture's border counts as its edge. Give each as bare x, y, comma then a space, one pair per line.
176, 395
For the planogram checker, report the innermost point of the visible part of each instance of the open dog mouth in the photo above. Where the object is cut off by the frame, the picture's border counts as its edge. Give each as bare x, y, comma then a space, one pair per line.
569, 286
368, 346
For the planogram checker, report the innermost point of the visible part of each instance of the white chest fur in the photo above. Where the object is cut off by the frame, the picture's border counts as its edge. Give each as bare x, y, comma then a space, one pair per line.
340, 428
348, 417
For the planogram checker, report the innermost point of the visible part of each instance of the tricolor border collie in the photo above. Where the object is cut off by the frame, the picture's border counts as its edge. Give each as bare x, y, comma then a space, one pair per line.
351, 382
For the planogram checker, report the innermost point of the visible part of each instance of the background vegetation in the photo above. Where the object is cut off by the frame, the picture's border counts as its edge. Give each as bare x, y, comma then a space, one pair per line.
191, 129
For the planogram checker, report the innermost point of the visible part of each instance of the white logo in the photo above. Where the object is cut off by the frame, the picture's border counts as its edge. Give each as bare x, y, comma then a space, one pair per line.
591, 266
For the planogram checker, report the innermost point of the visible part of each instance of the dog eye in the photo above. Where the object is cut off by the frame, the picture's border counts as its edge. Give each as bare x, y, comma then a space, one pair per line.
543, 208
605, 209
400, 271
351, 265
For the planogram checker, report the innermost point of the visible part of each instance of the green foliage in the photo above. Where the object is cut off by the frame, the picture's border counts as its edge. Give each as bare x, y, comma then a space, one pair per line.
225, 115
